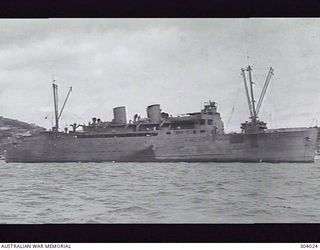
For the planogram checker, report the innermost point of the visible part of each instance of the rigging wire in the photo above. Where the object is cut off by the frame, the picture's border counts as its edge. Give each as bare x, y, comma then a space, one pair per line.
49, 115
314, 120
230, 116
243, 40
235, 101
48, 109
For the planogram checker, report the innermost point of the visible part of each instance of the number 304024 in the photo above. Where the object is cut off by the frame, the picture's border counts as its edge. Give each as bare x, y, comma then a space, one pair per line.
308, 245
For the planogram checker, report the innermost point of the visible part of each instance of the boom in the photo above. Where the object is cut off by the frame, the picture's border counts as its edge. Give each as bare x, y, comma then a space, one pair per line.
247, 91
65, 101
263, 92
249, 69
55, 102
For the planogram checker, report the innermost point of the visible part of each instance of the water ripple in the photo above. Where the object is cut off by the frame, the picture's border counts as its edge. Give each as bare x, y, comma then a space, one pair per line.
159, 193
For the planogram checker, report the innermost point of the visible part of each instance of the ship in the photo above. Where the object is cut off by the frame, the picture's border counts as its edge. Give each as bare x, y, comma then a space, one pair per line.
160, 137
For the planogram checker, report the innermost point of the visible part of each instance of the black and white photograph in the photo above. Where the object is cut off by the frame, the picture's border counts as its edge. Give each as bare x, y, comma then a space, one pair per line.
136, 120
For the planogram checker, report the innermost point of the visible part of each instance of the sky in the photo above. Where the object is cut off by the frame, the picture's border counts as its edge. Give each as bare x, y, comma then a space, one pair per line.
177, 63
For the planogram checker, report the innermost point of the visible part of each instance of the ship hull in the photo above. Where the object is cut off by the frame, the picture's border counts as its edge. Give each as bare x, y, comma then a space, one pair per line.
286, 145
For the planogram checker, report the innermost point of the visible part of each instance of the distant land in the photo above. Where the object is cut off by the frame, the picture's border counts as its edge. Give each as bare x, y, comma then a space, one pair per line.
13, 130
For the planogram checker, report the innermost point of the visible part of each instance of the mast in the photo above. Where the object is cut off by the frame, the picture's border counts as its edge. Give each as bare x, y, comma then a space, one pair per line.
254, 117
55, 100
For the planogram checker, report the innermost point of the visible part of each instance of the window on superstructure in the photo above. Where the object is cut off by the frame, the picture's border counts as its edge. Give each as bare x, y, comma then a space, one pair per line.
202, 121
168, 133
202, 131
210, 122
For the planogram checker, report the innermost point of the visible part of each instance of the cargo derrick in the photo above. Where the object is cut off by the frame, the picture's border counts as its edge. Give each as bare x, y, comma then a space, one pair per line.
254, 125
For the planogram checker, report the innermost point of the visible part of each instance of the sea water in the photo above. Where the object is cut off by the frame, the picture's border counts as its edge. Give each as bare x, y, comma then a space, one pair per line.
159, 193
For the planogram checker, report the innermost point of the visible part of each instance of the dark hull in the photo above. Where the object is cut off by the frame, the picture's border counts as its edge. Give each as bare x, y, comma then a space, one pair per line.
286, 145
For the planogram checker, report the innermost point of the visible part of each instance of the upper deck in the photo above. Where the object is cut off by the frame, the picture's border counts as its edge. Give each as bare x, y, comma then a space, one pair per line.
207, 119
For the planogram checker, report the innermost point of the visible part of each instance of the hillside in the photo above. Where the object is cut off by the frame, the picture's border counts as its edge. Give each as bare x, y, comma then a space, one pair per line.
13, 130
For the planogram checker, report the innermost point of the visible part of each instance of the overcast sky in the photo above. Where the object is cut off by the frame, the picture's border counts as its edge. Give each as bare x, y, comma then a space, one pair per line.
178, 63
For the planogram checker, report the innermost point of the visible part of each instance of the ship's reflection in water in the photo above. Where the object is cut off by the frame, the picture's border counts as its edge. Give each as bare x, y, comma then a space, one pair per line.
159, 193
